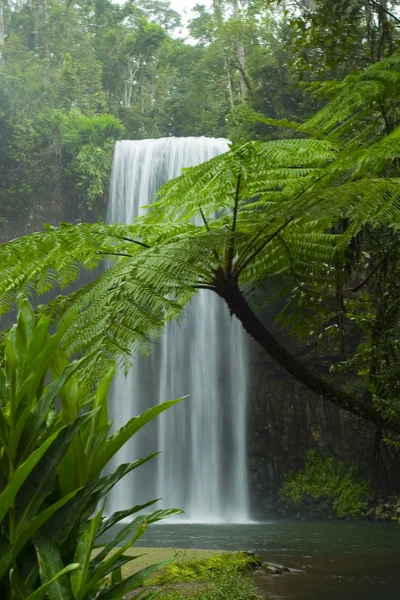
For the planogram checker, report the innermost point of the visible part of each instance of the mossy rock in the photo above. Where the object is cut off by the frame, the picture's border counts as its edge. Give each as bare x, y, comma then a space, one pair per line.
239, 563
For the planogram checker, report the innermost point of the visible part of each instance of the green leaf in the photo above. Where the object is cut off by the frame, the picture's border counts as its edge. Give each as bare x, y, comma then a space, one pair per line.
83, 505
120, 437
48, 352
7, 557
123, 514
41, 592
40, 482
17, 586
39, 414
135, 528
7, 497
132, 583
50, 567
83, 553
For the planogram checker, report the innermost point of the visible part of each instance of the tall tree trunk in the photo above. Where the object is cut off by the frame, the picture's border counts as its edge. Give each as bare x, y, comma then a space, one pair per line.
240, 53
34, 10
238, 306
1, 30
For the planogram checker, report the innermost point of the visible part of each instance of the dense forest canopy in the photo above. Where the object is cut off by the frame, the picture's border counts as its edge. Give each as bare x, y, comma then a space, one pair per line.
75, 77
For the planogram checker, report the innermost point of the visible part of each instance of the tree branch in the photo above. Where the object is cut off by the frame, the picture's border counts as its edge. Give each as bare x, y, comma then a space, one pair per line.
385, 10
133, 241
231, 245
206, 225
374, 270
238, 305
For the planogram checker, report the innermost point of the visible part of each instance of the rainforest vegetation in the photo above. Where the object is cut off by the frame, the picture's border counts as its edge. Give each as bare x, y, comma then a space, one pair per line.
300, 217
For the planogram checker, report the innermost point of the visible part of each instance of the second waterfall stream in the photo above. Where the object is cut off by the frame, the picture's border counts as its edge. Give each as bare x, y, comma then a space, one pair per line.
202, 467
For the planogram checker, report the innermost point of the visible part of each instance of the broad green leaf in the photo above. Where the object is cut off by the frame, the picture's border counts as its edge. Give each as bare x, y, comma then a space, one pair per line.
83, 553
17, 430
7, 497
26, 320
11, 374
123, 514
116, 575
120, 437
39, 414
82, 506
3, 391
48, 352
7, 557
41, 592
4, 431
23, 332
135, 528
132, 583
40, 482
50, 566
101, 422
18, 590
37, 343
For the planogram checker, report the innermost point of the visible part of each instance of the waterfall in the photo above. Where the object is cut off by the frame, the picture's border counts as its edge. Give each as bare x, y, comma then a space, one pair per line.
202, 466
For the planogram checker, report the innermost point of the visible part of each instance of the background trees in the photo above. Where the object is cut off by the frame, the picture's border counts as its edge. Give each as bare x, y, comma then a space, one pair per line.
64, 63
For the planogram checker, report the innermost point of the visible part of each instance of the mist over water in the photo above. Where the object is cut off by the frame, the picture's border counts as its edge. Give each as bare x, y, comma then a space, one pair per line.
202, 468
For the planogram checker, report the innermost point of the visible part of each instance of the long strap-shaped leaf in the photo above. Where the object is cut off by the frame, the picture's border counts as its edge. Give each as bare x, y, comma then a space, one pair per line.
131, 583
50, 566
83, 553
120, 437
123, 514
82, 506
40, 482
8, 495
8, 557
41, 592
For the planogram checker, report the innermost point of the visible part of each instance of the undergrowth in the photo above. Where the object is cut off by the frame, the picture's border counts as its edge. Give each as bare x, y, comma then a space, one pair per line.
207, 569
221, 577
331, 479
228, 587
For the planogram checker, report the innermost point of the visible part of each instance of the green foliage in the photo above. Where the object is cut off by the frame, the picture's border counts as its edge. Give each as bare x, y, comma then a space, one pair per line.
336, 37
229, 565
104, 58
227, 587
299, 216
54, 447
329, 479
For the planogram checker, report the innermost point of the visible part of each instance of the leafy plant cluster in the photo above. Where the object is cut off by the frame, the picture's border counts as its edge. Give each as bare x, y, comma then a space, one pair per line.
221, 577
329, 479
72, 67
207, 569
55, 444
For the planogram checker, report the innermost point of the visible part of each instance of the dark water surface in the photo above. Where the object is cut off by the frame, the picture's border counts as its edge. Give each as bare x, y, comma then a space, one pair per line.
339, 561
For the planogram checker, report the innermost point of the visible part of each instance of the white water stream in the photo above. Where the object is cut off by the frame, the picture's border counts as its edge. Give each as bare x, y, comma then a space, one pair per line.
202, 468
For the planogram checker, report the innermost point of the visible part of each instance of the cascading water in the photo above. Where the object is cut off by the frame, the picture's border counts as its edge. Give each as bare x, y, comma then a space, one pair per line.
202, 468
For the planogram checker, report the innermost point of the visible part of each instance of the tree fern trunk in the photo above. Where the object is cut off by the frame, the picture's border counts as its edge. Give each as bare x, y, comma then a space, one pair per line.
241, 309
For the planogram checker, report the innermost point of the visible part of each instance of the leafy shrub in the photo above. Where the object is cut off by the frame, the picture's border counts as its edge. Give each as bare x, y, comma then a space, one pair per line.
332, 479
54, 446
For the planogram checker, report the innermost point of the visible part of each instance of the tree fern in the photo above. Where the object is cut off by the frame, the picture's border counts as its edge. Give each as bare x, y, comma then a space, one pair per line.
283, 211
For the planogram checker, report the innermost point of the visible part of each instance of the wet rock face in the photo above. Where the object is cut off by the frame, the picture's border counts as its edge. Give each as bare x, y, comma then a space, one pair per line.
387, 509
284, 421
